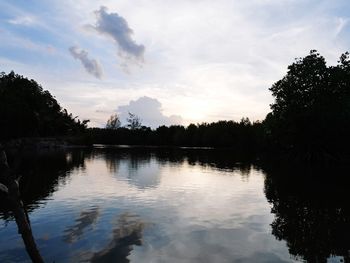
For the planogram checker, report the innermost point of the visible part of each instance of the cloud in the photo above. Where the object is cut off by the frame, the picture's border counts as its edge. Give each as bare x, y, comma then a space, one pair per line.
341, 23
150, 112
91, 65
115, 26
206, 60
24, 20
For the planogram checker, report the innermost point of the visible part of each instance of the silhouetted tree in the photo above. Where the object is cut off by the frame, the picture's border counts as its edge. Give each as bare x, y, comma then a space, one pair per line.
311, 113
9, 186
134, 122
242, 136
113, 122
28, 110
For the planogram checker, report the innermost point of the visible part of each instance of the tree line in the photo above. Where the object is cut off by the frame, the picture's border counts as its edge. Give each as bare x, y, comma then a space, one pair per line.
309, 119
228, 134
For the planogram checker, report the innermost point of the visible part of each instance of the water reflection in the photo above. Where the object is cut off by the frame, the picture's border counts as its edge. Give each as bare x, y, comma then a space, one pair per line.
85, 220
140, 165
137, 167
126, 233
138, 157
312, 211
42, 172
199, 205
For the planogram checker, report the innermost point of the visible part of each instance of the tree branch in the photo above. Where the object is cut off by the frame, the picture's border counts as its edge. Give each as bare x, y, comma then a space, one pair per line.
9, 185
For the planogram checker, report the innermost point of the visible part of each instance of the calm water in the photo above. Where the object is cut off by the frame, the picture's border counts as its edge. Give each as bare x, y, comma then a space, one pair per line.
132, 205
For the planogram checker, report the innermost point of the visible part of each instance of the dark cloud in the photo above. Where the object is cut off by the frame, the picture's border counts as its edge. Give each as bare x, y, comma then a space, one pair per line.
150, 112
91, 65
117, 28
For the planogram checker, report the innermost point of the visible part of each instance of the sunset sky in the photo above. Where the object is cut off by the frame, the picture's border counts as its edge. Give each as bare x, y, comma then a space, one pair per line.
170, 62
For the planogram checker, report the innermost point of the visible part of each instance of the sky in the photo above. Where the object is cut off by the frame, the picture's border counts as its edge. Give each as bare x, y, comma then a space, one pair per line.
169, 62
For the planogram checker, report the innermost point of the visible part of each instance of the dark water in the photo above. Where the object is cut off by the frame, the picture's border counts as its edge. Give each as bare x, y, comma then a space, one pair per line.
161, 205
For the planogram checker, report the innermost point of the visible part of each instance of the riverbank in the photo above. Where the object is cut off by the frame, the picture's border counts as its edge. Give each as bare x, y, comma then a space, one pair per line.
266, 155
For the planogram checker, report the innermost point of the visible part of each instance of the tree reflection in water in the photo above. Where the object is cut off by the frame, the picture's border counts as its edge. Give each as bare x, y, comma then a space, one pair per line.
312, 212
310, 206
42, 171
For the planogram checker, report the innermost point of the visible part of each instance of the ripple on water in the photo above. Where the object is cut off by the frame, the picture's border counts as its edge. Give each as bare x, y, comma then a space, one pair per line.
142, 208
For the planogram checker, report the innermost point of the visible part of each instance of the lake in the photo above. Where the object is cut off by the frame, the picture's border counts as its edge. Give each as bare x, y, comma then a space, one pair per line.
124, 204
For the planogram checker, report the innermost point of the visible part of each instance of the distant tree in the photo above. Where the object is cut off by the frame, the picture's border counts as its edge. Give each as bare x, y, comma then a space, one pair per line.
113, 122
245, 121
134, 122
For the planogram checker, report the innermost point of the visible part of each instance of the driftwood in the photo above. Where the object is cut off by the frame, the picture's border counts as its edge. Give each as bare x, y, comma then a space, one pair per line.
9, 186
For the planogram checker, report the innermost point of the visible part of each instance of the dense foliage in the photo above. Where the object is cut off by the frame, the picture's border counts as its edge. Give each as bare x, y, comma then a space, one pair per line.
243, 135
26, 110
311, 113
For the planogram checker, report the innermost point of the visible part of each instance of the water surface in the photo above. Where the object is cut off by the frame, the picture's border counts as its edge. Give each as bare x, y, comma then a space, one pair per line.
161, 205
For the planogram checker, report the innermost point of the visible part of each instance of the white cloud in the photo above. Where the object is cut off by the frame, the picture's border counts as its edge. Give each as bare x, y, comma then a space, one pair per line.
92, 66
26, 20
206, 60
150, 111
341, 23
